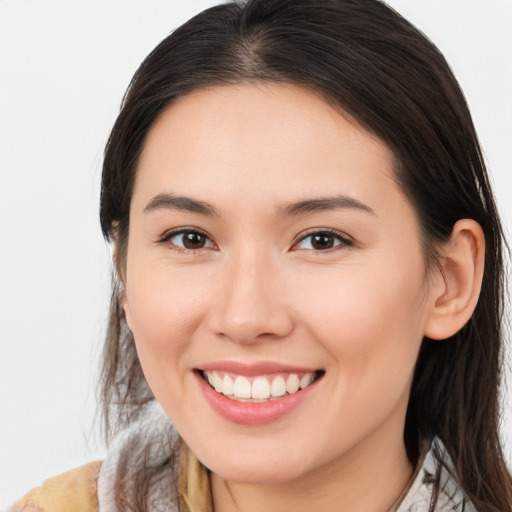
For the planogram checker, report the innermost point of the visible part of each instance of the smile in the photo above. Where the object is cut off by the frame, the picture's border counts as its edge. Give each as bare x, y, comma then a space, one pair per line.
258, 388
258, 393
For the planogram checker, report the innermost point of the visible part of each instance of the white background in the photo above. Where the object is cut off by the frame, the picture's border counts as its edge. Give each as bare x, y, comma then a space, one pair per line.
63, 69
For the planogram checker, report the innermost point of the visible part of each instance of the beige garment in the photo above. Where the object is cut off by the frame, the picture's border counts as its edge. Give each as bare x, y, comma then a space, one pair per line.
193, 483
73, 491
76, 490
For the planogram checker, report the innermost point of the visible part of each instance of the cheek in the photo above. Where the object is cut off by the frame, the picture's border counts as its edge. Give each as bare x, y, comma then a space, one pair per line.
371, 325
165, 311
367, 318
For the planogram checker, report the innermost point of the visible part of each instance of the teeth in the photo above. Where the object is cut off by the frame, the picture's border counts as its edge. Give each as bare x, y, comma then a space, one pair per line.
306, 380
216, 382
242, 387
278, 387
227, 385
261, 388
292, 383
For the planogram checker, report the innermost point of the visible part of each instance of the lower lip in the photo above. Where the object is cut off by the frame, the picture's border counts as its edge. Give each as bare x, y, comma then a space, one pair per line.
248, 413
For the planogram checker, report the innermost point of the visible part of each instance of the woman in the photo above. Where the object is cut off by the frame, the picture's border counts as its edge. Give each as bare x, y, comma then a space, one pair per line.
309, 274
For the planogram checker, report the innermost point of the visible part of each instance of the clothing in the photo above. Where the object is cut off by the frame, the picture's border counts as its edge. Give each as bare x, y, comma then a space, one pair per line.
92, 488
73, 491
418, 494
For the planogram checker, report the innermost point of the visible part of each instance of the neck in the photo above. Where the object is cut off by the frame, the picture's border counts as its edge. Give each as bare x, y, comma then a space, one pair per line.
368, 478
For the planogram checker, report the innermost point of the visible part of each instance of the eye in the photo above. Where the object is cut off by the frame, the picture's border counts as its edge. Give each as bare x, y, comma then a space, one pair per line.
322, 241
188, 239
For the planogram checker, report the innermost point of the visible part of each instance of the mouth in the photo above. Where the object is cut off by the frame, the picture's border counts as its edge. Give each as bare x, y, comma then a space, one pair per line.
259, 388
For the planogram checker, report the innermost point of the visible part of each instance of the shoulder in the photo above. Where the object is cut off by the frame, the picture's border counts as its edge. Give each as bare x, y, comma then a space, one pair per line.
74, 490
144, 457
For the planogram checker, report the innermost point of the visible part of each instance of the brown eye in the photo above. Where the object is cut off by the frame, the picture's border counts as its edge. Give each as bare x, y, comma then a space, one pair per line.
323, 241
191, 240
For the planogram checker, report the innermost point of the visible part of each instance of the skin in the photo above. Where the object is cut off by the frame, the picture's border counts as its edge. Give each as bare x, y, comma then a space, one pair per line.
259, 291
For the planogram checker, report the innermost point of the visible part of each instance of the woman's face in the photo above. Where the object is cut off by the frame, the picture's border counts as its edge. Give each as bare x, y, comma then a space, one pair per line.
270, 246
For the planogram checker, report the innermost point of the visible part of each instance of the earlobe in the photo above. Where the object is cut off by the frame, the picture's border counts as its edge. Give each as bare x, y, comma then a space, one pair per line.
455, 290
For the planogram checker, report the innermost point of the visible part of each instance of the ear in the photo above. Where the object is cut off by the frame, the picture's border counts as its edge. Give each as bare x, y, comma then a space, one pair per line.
456, 286
126, 307
119, 262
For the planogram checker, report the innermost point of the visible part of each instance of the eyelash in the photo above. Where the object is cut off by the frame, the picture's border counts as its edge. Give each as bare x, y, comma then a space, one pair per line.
166, 238
343, 240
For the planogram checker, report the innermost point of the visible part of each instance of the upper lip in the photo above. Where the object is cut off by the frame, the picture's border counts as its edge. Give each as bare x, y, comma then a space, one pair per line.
259, 368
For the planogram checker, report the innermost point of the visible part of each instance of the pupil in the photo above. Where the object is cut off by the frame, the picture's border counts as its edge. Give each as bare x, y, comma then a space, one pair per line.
323, 241
193, 240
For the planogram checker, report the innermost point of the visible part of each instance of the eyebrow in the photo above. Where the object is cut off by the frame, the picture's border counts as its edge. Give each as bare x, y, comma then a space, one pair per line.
304, 207
321, 204
187, 204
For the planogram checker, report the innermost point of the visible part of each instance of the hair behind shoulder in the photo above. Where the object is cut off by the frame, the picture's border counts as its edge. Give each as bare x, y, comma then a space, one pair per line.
369, 62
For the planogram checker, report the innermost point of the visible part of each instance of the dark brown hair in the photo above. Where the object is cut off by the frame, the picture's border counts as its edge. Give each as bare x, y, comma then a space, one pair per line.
369, 62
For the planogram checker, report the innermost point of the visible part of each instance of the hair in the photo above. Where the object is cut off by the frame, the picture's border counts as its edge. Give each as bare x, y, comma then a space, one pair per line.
368, 62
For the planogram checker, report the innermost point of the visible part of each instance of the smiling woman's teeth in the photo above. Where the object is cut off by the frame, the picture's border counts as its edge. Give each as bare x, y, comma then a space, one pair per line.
259, 388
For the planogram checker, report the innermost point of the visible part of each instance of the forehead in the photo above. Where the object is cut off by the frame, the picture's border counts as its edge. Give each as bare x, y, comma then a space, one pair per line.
266, 140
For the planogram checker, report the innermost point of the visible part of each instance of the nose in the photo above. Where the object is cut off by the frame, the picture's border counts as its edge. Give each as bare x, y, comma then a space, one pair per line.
251, 305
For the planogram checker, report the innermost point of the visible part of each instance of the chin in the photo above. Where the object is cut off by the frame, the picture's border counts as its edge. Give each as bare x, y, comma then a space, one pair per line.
256, 466
267, 473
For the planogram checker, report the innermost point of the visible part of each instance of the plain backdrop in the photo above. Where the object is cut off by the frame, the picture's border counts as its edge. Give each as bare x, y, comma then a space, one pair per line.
64, 66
